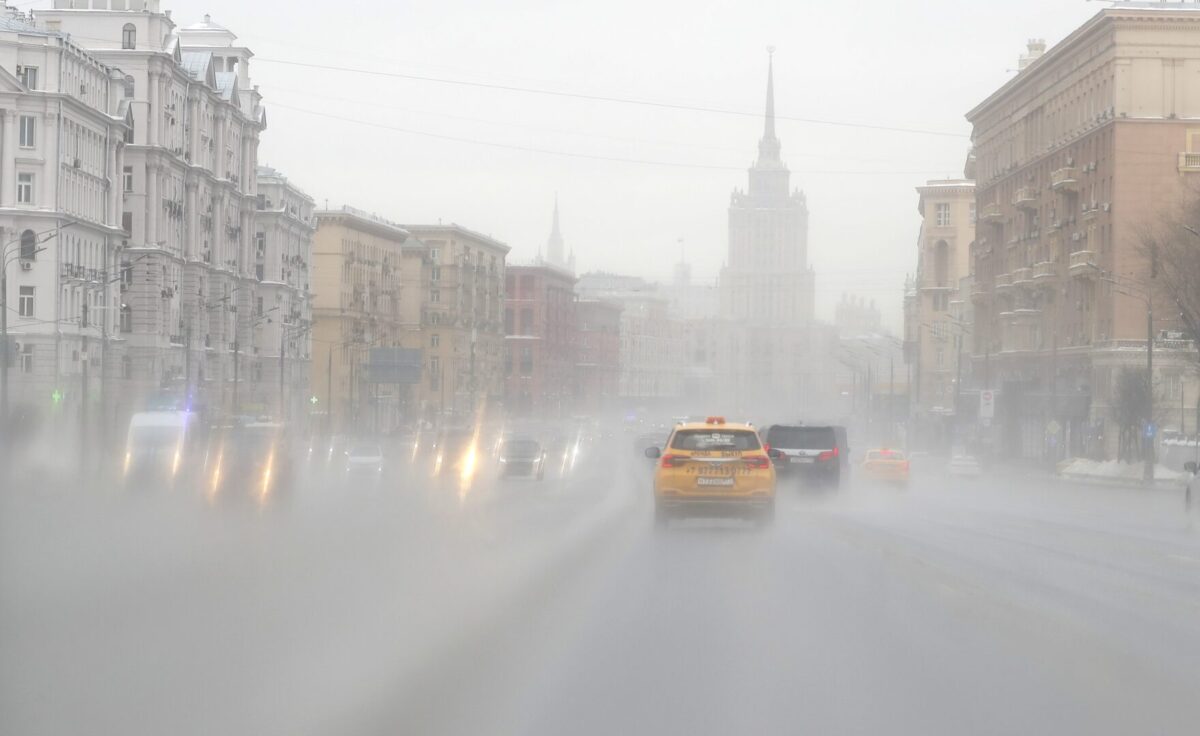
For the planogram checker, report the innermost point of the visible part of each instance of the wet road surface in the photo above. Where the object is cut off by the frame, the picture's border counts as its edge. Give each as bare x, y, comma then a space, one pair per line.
984, 606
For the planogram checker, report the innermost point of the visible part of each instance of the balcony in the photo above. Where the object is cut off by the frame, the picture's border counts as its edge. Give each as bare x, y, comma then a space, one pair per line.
1026, 198
1004, 283
992, 213
980, 292
1064, 180
1022, 276
1189, 163
1045, 272
1090, 211
1083, 263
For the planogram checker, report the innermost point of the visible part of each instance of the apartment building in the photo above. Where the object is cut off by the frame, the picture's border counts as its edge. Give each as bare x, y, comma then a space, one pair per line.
189, 290
62, 147
541, 336
1086, 145
462, 312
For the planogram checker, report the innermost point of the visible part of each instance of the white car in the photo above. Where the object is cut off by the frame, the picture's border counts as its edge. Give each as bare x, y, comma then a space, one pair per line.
364, 458
964, 466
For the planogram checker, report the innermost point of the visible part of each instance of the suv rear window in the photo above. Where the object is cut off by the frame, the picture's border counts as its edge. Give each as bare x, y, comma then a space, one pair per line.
720, 439
801, 438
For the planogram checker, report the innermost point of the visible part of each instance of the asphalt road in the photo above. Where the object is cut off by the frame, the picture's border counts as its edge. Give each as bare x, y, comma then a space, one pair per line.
999, 606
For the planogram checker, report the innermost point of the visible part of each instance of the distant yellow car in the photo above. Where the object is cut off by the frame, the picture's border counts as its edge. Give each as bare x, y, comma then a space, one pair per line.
713, 468
889, 466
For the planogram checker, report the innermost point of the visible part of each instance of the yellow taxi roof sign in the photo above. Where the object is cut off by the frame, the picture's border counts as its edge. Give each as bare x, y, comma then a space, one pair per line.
715, 420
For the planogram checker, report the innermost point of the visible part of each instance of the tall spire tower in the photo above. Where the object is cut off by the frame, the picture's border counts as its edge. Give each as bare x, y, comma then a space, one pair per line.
769, 146
554, 246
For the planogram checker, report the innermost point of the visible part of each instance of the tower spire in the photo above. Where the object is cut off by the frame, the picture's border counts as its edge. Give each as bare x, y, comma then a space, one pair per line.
554, 246
769, 146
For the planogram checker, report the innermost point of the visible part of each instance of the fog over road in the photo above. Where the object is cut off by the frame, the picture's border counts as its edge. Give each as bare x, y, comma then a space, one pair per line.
1001, 605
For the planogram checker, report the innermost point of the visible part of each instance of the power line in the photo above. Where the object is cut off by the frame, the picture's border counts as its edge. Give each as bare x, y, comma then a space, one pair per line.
604, 98
569, 154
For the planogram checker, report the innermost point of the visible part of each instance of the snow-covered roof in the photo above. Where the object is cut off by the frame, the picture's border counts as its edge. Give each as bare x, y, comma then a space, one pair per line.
196, 63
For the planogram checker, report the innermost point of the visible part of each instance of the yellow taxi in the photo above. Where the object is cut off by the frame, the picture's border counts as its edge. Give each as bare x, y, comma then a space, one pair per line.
712, 468
886, 465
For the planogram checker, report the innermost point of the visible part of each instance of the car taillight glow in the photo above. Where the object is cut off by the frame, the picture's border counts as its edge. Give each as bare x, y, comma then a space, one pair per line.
673, 461
827, 455
757, 462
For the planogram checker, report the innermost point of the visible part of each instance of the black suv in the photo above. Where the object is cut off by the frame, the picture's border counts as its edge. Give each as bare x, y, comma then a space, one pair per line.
816, 452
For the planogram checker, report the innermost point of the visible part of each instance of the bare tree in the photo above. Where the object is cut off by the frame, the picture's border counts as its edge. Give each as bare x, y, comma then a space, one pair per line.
1171, 246
1131, 411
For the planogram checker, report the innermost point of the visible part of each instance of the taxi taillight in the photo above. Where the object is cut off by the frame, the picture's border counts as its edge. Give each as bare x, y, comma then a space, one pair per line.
757, 462
673, 461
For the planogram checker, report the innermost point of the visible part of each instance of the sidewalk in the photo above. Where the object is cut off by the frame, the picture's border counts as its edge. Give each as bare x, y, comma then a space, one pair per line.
1114, 473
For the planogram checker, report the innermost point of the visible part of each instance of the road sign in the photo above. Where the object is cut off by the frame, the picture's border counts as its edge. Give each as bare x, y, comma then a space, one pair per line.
987, 404
1150, 430
394, 365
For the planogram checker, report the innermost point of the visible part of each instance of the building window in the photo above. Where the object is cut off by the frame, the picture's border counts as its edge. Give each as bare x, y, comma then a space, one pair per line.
127, 222
434, 254
29, 247
25, 188
526, 322
941, 357
27, 131
435, 296
943, 214
129, 131
27, 358
126, 318
435, 340
25, 302
435, 273
129, 88
129, 36
29, 77
972, 213
435, 371
526, 367
127, 179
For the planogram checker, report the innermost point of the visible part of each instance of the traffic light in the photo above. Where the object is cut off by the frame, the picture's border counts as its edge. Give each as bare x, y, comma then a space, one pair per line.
56, 397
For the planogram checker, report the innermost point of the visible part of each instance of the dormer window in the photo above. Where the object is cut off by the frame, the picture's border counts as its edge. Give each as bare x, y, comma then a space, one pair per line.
129, 36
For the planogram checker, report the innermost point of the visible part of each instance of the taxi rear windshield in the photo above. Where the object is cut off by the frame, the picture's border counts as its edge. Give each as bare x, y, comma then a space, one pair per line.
885, 455
707, 439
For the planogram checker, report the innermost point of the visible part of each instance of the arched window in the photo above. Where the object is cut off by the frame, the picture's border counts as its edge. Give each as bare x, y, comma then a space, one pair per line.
129, 36
28, 246
941, 263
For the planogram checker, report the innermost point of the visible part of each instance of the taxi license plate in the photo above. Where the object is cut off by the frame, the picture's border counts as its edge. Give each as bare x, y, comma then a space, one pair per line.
800, 460
714, 481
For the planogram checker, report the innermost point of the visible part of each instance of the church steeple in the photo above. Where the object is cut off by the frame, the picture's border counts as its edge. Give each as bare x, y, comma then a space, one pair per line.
769, 146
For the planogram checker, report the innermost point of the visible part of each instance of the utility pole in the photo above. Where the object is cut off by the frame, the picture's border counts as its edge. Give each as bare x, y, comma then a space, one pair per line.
282, 405
236, 346
1148, 471
329, 393
4, 345
1054, 395
83, 393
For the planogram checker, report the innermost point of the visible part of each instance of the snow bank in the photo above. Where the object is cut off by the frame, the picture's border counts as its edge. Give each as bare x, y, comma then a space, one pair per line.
1112, 470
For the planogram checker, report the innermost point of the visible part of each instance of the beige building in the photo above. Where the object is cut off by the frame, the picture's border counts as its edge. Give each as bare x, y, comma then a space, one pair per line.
933, 329
1091, 140
461, 319
357, 306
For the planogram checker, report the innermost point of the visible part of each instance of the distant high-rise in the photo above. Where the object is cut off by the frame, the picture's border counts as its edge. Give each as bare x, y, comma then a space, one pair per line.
767, 279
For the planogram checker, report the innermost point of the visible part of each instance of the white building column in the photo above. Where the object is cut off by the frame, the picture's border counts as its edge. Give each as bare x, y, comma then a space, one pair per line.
52, 171
8, 149
153, 204
152, 109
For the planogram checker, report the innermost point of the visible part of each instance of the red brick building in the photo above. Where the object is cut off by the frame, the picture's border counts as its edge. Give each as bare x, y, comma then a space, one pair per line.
598, 370
540, 336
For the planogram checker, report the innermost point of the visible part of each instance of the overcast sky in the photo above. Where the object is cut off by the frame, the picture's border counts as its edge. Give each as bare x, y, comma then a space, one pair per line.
878, 62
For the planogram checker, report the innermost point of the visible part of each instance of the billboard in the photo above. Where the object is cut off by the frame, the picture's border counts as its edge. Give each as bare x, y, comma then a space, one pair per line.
394, 365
